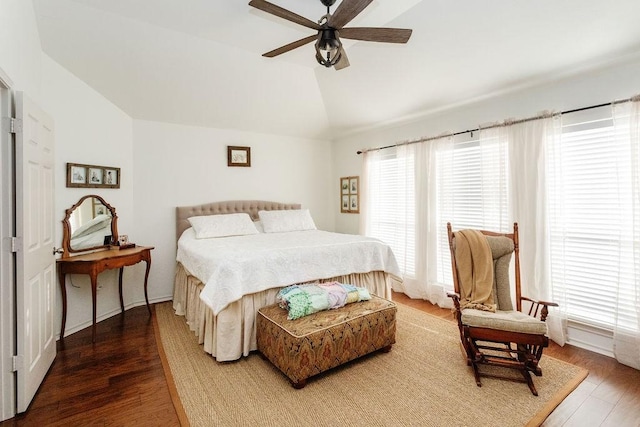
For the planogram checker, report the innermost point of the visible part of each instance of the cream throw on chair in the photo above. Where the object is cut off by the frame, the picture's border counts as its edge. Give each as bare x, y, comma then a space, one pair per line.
475, 270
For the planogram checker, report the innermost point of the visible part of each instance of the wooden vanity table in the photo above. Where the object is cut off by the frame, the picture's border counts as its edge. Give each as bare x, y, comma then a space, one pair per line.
87, 230
95, 263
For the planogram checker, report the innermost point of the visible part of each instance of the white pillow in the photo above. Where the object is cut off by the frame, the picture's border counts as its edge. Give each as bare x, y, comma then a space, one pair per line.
259, 226
281, 221
209, 226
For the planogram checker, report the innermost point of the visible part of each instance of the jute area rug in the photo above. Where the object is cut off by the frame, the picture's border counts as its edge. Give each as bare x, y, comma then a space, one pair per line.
423, 381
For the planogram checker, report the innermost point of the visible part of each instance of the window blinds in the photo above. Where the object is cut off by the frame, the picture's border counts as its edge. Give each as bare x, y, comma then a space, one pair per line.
590, 222
472, 191
392, 193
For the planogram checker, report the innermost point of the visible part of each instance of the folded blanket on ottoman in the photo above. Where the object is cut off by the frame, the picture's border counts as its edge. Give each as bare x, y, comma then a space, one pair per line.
302, 300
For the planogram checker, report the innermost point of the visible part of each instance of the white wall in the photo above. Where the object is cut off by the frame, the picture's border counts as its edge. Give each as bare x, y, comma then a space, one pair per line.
179, 165
619, 81
20, 46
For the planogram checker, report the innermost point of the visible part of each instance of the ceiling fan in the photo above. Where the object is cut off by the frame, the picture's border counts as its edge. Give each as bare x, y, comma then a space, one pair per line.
330, 27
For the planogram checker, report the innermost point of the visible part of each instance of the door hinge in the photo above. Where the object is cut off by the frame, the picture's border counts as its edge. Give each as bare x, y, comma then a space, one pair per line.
16, 244
17, 363
15, 125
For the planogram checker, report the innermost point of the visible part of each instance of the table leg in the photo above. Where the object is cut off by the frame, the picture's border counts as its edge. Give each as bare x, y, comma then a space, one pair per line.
146, 276
94, 291
63, 290
120, 289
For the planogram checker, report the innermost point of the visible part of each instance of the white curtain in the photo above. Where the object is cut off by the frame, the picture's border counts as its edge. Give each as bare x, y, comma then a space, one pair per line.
398, 205
370, 169
528, 142
626, 334
426, 284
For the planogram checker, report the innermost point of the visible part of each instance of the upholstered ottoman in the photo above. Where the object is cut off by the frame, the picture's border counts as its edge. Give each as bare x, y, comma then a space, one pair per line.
312, 344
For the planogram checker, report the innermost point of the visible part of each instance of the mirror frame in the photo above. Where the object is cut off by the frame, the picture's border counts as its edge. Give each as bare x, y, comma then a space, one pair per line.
66, 227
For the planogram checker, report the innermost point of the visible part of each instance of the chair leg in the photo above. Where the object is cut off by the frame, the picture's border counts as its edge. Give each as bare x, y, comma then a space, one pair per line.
529, 380
476, 373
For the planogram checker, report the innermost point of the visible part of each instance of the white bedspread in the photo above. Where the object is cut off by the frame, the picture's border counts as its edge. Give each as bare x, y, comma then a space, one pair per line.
231, 267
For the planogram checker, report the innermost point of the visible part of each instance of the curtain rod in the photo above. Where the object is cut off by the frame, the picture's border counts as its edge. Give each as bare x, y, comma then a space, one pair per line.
415, 141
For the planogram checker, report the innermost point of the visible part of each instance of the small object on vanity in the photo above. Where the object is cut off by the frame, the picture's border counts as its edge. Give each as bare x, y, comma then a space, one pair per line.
123, 242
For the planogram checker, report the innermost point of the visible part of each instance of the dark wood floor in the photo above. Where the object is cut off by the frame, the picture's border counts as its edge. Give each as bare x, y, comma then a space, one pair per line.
119, 381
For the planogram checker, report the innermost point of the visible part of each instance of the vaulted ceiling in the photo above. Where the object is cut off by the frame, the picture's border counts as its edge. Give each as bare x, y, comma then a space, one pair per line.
198, 62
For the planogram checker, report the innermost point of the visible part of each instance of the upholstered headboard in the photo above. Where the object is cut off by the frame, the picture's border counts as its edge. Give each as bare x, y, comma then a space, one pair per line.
183, 213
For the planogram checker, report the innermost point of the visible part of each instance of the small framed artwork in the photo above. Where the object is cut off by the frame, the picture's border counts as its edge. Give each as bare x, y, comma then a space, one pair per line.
353, 185
95, 176
349, 194
77, 174
344, 185
238, 156
111, 177
92, 176
353, 203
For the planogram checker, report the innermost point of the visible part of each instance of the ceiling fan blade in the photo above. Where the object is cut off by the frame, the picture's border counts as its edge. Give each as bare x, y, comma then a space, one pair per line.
346, 11
290, 46
271, 8
343, 62
385, 35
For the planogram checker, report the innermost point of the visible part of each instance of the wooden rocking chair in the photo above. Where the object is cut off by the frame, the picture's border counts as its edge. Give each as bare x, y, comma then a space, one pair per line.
508, 338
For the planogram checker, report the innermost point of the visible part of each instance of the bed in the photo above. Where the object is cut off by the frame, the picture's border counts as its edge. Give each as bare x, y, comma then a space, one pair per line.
220, 283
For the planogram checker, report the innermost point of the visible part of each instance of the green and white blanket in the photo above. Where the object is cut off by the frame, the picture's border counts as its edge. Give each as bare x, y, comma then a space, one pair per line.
302, 300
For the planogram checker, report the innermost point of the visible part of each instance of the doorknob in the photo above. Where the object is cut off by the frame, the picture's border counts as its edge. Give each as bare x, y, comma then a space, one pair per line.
57, 250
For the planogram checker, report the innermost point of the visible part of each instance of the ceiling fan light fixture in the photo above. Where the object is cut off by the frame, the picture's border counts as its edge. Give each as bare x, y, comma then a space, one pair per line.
330, 27
328, 47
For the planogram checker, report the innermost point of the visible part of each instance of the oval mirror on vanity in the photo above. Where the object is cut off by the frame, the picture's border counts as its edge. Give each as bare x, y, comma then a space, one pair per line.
90, 224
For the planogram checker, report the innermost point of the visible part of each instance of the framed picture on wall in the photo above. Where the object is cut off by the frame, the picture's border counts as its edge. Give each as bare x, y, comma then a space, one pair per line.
92, 176
350, 194
95, 176
353, 185
238, 156
344, 185
76, 174
111, 177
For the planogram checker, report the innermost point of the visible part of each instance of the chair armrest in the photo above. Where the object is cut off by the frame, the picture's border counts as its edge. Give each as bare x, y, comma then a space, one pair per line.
548, 304
535, 306
457, 312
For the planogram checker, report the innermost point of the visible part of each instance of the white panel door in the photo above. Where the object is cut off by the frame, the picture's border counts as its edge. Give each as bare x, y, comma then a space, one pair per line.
35, 262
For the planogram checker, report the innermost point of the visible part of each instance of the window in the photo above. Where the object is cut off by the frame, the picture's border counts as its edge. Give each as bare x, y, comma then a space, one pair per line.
392, 184
472, 191
590, 219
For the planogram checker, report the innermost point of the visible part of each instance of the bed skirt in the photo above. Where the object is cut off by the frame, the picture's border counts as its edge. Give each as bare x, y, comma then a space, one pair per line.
232, 333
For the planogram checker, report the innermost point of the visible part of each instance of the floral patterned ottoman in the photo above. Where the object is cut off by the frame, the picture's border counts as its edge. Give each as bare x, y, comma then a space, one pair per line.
312, 344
